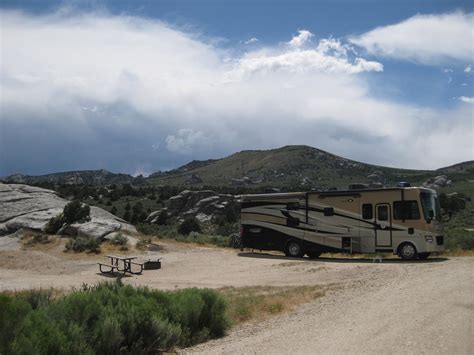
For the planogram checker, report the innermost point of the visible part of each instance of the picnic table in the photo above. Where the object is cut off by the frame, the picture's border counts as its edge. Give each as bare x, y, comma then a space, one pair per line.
121, 264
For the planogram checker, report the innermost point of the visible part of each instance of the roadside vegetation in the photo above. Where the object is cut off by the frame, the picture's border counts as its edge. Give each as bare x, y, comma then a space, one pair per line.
458, 206
109, 318
260, 302
114, 318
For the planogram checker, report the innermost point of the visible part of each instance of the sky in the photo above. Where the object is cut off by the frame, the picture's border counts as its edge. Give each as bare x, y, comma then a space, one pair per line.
140, 86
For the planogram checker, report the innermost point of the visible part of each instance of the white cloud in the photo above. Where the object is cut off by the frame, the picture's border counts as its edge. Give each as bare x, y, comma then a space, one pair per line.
185, 141
251, 40
428, 39
468, 69
467, 100
92, 90
329, 56
299, 40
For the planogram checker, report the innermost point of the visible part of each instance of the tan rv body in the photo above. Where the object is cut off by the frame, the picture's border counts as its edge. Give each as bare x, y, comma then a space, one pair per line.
355, 221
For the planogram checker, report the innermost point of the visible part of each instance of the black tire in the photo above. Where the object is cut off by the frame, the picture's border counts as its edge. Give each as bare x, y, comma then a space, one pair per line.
423, 256
407, 251
313, 254
294, 249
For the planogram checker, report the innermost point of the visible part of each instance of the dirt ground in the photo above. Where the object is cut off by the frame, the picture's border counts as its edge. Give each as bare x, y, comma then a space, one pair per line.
390, 307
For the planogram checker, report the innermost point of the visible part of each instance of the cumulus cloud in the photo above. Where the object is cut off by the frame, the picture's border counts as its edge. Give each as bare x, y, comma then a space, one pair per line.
329, 56
428, 39
467, 100
468, 69
299, 40
251, 40
135, 95
186, 141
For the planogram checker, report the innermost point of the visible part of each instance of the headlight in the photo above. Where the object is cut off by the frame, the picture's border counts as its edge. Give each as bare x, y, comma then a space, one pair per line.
429, 238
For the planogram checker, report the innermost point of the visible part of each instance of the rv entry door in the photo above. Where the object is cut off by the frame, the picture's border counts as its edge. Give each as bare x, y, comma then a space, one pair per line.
383, 225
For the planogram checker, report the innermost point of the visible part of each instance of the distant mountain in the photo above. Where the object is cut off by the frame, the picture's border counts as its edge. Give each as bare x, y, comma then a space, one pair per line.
296, 166
291, 167
84, 177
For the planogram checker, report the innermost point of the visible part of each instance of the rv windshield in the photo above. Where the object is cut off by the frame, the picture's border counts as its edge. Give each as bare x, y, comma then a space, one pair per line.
430, 202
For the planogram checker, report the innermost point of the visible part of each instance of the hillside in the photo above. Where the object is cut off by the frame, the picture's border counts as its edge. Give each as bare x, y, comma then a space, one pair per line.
292, 166
84, 177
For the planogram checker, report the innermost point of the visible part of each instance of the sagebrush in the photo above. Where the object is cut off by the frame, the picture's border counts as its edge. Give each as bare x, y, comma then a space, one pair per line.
109, 319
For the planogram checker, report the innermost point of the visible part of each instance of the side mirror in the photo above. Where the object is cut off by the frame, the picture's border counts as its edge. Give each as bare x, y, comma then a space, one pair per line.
431, 216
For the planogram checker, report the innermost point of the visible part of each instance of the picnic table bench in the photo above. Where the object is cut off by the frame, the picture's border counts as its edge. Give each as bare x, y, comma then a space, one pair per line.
121, 264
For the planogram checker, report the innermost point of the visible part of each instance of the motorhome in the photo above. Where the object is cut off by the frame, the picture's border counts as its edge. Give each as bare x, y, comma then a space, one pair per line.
402, 220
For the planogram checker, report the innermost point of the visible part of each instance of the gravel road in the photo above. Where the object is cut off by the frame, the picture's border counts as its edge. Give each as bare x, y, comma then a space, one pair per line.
424, 308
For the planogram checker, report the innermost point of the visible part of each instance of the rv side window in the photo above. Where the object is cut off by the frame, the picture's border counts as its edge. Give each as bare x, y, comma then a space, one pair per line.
367, 211
329, 211
382, 213
292, 206
406, 210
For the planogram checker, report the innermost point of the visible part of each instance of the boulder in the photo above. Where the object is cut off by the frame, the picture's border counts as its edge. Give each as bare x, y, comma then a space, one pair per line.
245, 181
437, 182
376, 178
28, 207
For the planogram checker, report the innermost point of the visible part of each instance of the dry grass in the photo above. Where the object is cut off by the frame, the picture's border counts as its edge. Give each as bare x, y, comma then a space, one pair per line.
260, 302
458, 252
108, 247
39, 241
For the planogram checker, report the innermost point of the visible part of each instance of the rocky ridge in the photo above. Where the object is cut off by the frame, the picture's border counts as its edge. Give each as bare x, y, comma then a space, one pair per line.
437, 182
28, 207
84, 177
204, 205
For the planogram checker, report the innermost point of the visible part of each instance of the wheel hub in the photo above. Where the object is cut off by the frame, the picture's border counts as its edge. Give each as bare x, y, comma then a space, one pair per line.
294, 249
408, 251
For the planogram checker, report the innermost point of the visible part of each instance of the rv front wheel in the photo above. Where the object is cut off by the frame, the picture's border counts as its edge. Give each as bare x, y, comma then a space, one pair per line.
407, 251
294, 249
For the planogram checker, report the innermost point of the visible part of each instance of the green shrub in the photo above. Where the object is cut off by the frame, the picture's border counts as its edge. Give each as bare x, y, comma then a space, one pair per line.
79, 244
54, 224
119, 239
162, 218
111, 318
148, 229
227, 229
235, 241
12, 314
39, 238
188, 226
126, 216
170, 232
75, 211
459, 238
36, 298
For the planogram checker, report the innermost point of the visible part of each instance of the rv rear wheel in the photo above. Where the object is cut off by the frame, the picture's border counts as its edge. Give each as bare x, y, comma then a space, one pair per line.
293, 249
423, 256
313, 254
407, 251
